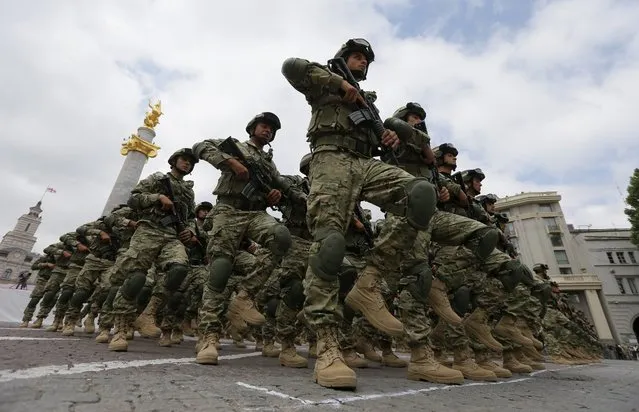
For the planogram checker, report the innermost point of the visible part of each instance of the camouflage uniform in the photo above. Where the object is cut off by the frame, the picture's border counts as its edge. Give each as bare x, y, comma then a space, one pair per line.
154, 241
233, 218
52, 288
42, 265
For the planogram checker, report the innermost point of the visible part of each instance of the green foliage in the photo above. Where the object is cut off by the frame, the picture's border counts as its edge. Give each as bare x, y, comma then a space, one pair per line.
632, 211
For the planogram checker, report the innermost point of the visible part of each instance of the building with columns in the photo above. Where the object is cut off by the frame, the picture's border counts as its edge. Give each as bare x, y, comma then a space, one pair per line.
539, 231
16, 247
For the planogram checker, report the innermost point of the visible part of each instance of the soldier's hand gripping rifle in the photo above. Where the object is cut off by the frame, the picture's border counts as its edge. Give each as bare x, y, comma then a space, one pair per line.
368, 116
173, 218
368, 229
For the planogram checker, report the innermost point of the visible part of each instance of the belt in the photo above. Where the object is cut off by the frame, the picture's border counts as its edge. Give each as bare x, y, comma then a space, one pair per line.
241, 203
346, 142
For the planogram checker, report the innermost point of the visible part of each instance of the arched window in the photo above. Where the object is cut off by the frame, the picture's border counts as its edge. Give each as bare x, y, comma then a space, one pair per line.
7, 274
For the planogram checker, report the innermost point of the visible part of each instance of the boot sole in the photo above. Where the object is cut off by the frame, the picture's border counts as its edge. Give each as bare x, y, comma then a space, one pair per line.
119, 349
390, 365
294, 365
354, 303
342, 382
206, 361
446, 381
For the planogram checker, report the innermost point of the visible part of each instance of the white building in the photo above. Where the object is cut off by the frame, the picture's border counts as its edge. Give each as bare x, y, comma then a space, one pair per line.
16, 246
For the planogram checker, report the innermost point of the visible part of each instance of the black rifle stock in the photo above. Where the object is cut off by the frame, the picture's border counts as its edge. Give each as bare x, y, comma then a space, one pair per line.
368, 230
173, 218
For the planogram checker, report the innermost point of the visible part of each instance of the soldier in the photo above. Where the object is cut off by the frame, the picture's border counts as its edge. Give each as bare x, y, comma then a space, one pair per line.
159, 238
236, 216
44, 265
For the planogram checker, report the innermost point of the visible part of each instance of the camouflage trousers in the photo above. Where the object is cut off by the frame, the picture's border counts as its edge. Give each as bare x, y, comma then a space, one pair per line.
268, 301
92, 274
229, 226
338, 180
194, 288
149, 244
36, 294
292, 269
51, 290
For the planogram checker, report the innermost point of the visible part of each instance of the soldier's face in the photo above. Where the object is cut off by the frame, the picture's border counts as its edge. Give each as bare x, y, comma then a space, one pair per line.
201, 214
264, 132
413, 119
450, 159
490, 207
183, 164
477, 185
357, 61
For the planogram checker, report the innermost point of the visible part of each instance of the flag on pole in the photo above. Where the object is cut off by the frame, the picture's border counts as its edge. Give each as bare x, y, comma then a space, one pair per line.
50, 189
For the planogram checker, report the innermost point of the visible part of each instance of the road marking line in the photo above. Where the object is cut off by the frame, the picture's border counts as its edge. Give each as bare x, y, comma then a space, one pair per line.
337, 402
28, 338
9, 375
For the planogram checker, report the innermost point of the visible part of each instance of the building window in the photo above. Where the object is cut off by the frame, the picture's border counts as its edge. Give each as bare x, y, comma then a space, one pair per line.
7, 274
565, 271
561, 257
551, 224
556, 240
545, 208
622, 290
620, 257
610, 258
632, 285
631, 255
26, 229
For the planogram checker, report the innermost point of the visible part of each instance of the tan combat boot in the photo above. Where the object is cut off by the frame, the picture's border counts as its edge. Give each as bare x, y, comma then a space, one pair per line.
69, 326
103, 335
507, 329
24, 324
353, 360
438, 301
118, 341
330, 370
484, 360
243, 307
388, 356
424, 367
521, 357
365, 297
145, 323
366, 348
532, 353
463, 362
89, 323
177, 336
270, 350
57, 321
476, 326
290, 358
187, 328
259, 344
165, 338
512, 364
207, 353
37, 324
442, 357
525, 330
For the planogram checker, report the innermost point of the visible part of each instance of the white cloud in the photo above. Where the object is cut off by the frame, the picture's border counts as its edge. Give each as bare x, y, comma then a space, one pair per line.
551, 97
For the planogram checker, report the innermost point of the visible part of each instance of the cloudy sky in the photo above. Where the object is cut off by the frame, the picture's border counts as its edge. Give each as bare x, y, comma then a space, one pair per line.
540, 94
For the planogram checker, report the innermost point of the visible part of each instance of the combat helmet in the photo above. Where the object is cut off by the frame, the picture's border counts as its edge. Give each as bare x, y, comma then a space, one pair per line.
305, 164
408, 108
264, 117
540, 267
443, 149
489, 198
468, 175
203, 205
186, 152
357, 45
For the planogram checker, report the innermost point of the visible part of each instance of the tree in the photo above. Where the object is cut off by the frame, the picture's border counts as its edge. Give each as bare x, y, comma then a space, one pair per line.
632, 211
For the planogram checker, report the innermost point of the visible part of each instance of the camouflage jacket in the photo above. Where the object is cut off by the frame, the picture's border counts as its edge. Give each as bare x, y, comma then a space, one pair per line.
197, 251
118, 226
410, 157
454, 189
294, 212
145, 200
330, 127
98, 247
71, 241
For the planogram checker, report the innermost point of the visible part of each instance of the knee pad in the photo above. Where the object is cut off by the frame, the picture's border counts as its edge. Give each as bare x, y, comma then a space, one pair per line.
347, 278
133, 285
220, 271
281, 242
33, 302
461, 301
175, 275
174, 301
79, 297
48, 298
294, 297
419, 205
421, 286
271, 307
326, 263
144, 296
482, 242
510, 274
65, 296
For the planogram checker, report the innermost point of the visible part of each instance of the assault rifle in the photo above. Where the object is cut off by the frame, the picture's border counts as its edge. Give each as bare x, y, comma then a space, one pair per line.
174, 217
260, 180
368, 229
368, 115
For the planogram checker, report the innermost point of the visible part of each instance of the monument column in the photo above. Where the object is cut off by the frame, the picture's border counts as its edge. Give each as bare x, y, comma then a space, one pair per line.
137, 150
